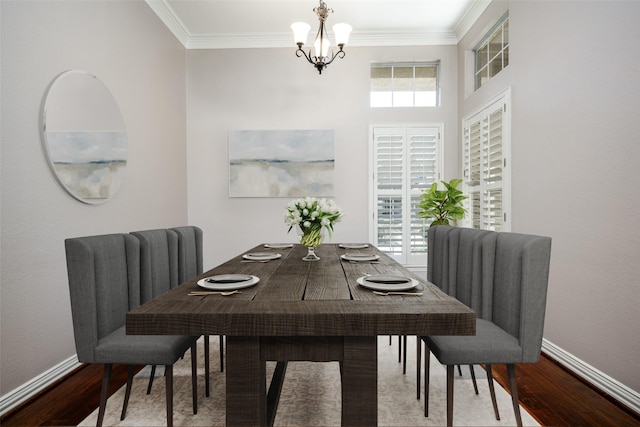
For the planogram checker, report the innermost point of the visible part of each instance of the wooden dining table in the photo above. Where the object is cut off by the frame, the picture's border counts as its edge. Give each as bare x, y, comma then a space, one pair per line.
303, 311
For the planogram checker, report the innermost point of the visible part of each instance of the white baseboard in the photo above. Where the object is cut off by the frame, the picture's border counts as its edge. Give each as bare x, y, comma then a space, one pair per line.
37, 384
602, 381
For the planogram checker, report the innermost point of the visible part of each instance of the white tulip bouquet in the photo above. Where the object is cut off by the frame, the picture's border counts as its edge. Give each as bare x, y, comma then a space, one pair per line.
312, 215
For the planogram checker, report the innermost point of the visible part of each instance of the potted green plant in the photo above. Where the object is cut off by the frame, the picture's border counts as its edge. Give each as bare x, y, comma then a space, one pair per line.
442, 205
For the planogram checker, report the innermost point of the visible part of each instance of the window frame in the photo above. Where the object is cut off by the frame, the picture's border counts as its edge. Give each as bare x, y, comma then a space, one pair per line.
503, 54
410, 221
414, 65
481, 196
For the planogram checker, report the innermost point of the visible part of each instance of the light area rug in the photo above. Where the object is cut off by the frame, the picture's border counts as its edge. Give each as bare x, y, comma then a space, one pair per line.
311, 395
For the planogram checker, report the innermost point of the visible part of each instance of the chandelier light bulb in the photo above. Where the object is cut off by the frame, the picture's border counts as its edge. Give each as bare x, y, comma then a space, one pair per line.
300, 32
321, 46
342, 32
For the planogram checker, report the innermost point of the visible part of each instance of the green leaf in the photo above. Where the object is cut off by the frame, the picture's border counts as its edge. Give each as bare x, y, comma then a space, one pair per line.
442, 205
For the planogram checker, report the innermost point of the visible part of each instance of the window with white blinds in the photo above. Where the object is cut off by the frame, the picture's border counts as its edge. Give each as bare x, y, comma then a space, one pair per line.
405, 85
486, 163
405, 161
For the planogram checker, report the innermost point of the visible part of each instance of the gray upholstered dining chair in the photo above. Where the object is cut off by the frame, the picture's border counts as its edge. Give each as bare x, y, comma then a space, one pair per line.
159, 273
508, 287
448, 245
104, 284
190, 265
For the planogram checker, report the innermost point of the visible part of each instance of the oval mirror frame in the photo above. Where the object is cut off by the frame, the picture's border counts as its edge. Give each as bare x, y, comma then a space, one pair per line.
84, 137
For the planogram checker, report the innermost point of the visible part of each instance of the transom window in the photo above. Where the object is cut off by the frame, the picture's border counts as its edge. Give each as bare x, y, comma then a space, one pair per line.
492, 53
405, 85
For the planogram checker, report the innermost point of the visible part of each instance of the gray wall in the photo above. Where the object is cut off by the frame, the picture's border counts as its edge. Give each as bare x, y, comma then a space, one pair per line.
245, 89
143, 65
575, 79
575, 90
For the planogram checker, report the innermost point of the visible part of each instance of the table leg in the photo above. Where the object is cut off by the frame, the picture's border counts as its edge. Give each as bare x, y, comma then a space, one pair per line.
246, 383
273, 396
360, 381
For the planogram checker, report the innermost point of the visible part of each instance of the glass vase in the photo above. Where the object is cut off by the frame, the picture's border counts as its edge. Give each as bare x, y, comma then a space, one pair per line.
311, 237
311, 254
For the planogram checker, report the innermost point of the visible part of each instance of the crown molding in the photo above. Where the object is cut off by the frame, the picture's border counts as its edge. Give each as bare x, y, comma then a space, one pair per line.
403, 38
169, 18
270, 40
470, 16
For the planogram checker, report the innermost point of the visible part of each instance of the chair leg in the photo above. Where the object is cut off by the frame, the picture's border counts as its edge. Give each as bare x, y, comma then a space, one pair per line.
427, 368
106, 378
194, 376
127, 392
513, 388
450, 380
492, 391
404, 358
399, 348
168, 376
459, 371
473, 378
206, 365
153, 374
221, 353
418, 364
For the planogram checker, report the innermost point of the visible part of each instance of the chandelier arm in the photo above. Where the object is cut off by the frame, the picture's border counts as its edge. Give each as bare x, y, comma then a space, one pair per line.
302, 53
341, 54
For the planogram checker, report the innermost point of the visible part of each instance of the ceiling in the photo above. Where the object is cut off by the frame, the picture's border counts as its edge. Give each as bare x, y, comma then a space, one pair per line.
224, 24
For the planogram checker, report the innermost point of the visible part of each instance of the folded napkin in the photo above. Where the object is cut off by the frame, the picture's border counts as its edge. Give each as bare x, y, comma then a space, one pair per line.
228, 278
387, 279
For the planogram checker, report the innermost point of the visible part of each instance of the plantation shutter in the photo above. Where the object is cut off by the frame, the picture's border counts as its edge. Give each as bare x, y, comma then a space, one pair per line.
405, 162
389, 172
485, 162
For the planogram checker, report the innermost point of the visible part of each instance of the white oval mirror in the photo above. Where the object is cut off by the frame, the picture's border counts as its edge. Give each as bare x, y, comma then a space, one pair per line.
84, 136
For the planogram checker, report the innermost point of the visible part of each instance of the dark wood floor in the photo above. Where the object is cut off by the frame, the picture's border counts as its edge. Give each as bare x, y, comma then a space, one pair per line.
551, 394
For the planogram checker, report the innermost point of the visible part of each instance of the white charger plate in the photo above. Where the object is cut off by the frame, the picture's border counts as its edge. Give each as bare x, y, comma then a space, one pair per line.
278, 245
387, 283
360, 257
261, 256
227, 282
353, 245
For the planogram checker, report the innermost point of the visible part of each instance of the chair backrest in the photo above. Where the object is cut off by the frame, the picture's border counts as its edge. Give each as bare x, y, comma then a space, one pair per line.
189, 252
471, 277
158, 262
104, 284
520, 289
439, 259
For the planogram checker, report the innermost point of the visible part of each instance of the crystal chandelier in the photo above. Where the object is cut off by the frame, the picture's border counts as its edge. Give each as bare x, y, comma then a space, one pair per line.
321, 44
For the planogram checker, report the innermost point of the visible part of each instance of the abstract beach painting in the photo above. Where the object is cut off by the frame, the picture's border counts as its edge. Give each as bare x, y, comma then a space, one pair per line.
91, 164
281, 163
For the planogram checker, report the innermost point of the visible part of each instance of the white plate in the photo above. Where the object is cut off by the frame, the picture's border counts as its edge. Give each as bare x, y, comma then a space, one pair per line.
278, 245
261, 256
387, 283
353, 245
360, 257
226, 282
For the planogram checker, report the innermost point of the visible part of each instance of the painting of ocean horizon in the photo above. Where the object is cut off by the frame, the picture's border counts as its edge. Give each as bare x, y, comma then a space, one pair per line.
90, 164
281, 163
